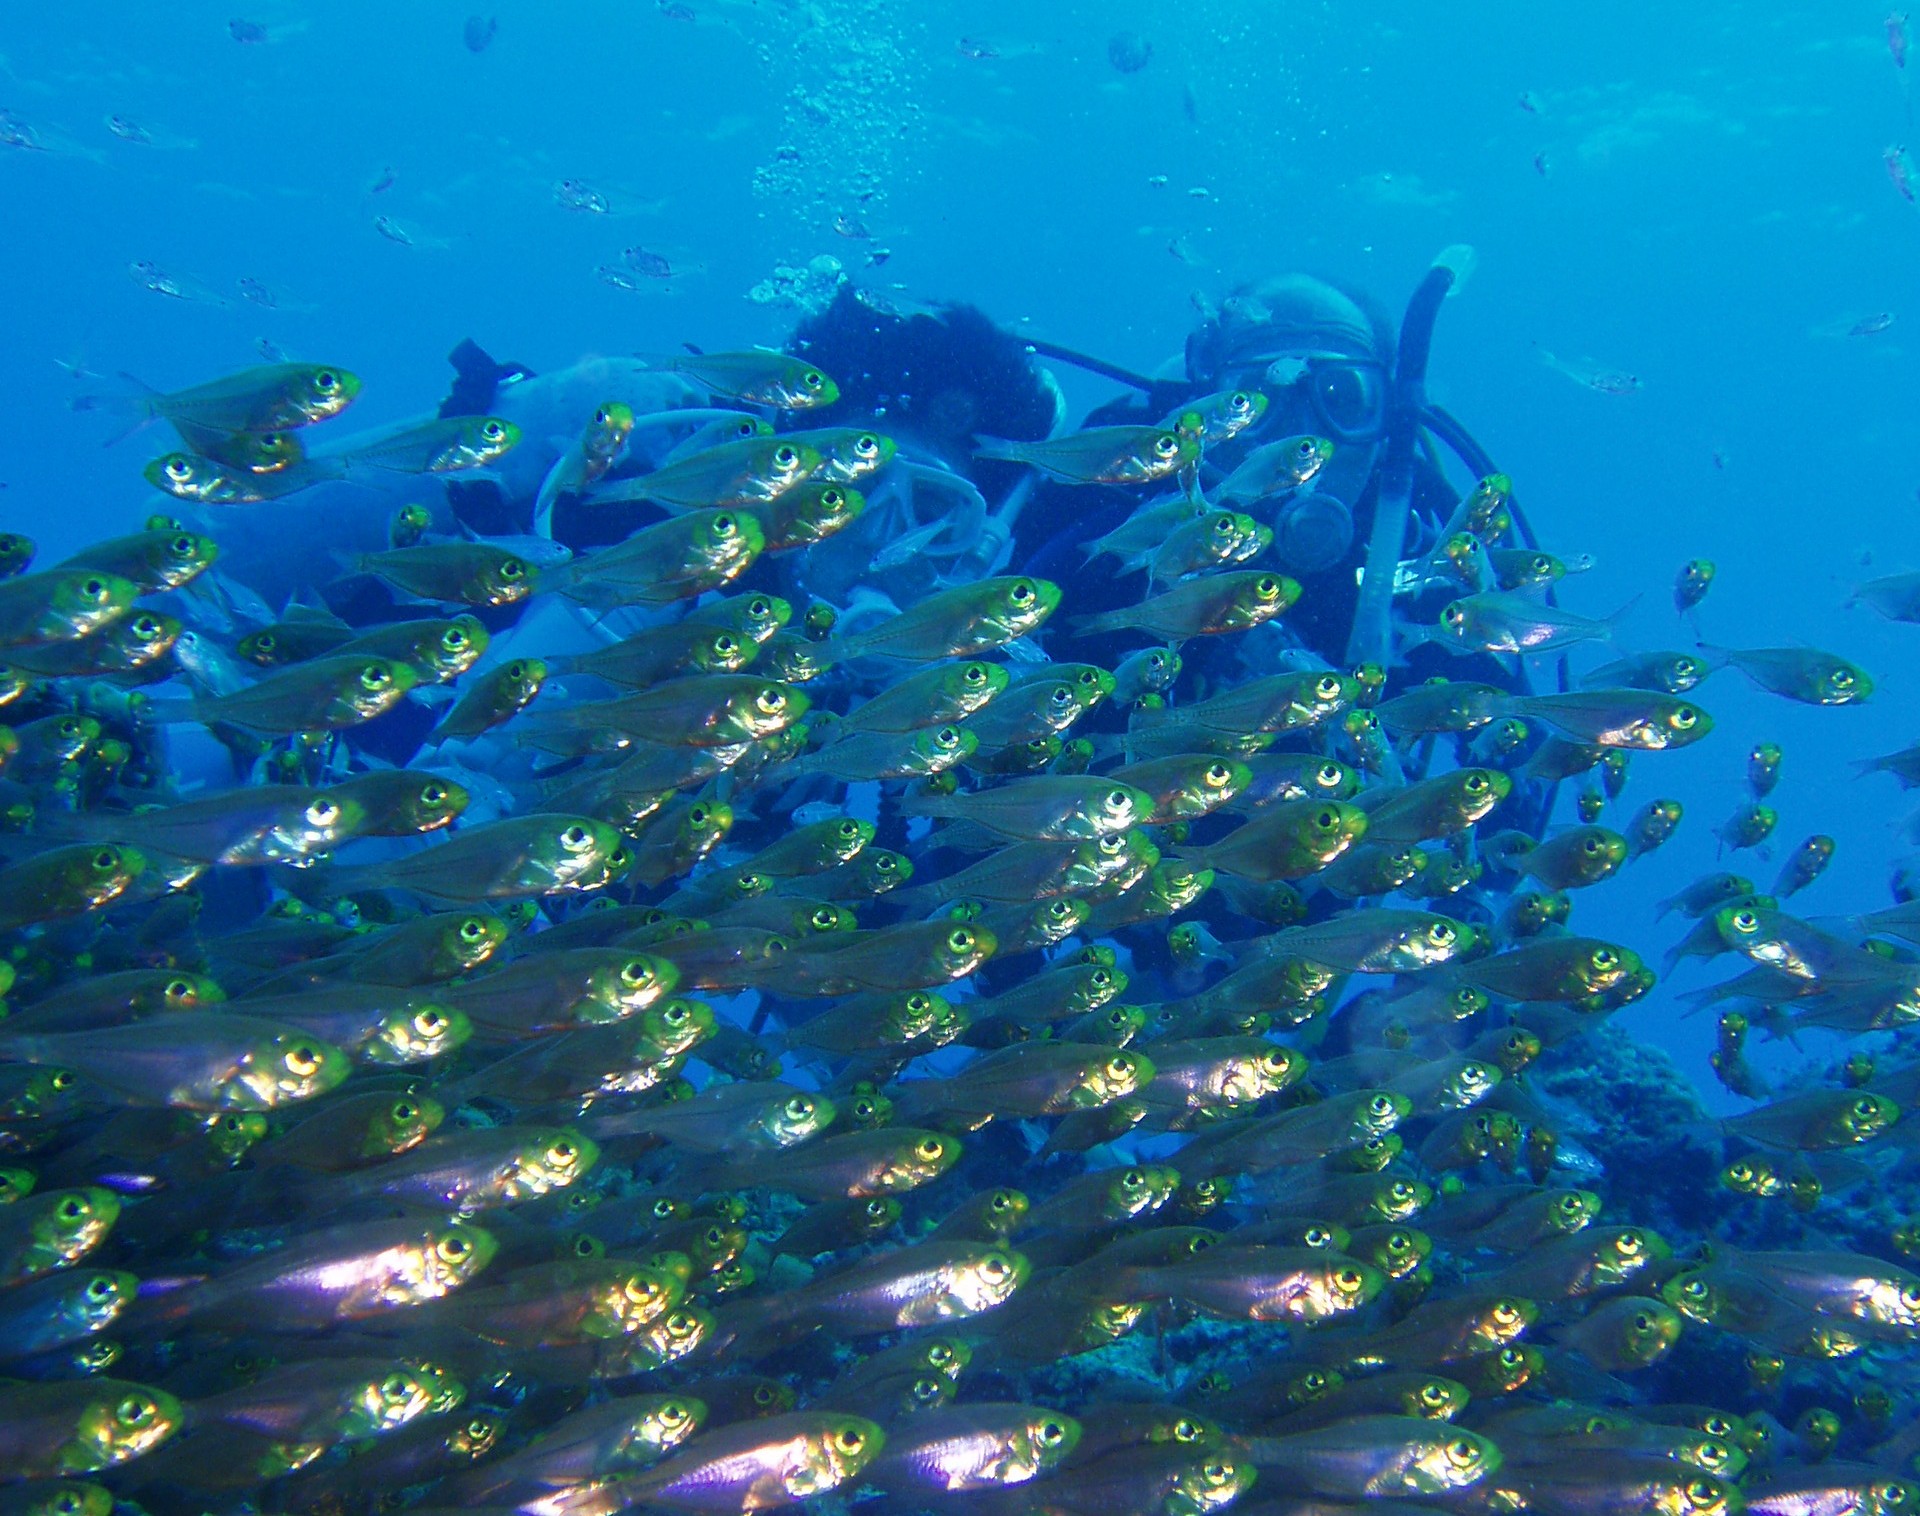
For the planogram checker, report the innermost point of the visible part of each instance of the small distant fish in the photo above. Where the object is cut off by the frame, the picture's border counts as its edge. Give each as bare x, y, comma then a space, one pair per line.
1606, 381
244, 31
150, 276
1900, 171
1129, 52
578, 195
1897, 37
1530, 102
406, 233
976, 47
479, 32
1866, 326
129, 131
384, 183
16, 133
1540, 164
255, 293
649, 264
674, 11
852, 227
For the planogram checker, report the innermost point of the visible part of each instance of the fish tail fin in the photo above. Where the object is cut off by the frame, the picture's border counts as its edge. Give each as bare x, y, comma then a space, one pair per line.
139, 408
1719, 657
1104, 621
1000, 449
1618, 618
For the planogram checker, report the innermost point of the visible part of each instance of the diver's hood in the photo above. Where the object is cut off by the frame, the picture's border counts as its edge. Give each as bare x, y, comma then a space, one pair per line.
1293, 315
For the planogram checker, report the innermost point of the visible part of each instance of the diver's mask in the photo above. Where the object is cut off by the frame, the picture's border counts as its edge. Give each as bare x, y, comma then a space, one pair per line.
1346, 396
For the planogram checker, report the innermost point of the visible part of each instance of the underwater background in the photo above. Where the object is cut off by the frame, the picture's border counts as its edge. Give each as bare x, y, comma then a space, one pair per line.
1686, 244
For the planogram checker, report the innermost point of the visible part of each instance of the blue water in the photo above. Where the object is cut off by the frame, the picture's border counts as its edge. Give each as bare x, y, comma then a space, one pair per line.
1696, 198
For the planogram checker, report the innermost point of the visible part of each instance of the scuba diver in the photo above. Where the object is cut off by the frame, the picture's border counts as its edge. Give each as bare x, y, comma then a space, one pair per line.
1329, 365
937, 381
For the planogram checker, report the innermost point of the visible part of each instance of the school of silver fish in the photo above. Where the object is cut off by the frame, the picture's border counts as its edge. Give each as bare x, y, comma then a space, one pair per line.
776, 1054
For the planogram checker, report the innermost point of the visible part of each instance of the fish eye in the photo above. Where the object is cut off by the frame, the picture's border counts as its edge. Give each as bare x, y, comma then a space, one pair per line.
326, 381
799, 1108
135, 1411
960, 940
493, 431
1462, 1452
1685, 717
947, 737
303, 1060
100, 1288
106, 860
562, 1154
723, 526
813, 379
1605, 959
574, 838
1166, 445
1866, 1108
1701, 1493
850, 1439
930, 1148
179, 469
1475, 782
786, 457
513, 568
1120, 1068
73, 1208
1454, 615
1308, 448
